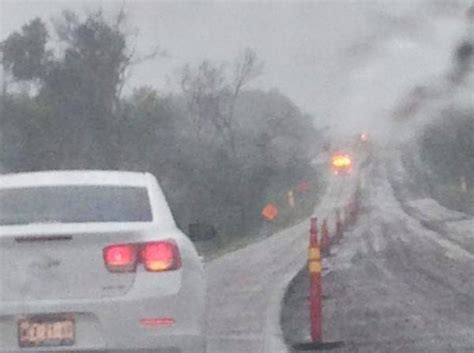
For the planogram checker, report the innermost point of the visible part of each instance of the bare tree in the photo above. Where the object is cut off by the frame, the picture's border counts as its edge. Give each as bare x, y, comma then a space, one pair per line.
212, 94
246, 68
204, 88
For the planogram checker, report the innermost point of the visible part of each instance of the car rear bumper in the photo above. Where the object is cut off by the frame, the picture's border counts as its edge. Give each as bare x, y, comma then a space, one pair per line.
111, 324
167, 344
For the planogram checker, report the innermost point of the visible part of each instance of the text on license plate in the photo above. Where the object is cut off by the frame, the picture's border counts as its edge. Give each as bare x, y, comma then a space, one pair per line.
36, 333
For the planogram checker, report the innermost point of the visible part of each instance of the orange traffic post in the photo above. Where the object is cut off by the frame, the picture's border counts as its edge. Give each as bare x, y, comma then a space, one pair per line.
313, 232
315, 297
325, 240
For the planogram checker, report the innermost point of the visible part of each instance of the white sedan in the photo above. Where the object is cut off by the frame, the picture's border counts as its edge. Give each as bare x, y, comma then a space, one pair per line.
93, 260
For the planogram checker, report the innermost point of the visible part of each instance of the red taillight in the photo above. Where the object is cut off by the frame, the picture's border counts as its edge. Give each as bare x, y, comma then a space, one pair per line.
156, 256
160, 256
121, 258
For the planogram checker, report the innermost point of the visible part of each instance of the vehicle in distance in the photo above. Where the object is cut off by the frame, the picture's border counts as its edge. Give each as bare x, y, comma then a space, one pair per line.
93, 260
341, 163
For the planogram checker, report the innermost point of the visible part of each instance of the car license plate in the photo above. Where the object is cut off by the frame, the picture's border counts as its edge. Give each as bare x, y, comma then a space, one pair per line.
46, 332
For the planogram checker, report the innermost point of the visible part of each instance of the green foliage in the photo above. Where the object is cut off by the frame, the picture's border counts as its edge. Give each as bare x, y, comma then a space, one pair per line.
89, 74
80, 87
24, 53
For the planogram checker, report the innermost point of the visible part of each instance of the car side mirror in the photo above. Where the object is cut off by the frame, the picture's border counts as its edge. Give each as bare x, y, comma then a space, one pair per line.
201, 232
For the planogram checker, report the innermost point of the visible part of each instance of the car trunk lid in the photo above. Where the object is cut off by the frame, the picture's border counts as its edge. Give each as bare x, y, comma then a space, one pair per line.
63, 262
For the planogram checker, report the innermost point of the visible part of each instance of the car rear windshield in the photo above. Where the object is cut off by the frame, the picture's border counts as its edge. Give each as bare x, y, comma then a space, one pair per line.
74, 204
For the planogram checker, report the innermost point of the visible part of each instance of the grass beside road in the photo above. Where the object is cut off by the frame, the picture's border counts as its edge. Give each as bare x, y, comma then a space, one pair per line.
288, 216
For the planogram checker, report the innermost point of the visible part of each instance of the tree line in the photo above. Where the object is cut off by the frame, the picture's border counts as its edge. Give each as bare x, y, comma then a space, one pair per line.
220, 149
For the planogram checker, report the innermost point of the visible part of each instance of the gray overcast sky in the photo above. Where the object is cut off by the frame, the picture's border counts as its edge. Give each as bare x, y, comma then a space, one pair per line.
313, 51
